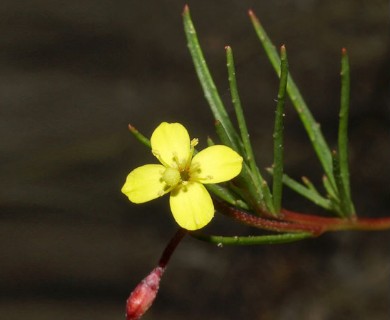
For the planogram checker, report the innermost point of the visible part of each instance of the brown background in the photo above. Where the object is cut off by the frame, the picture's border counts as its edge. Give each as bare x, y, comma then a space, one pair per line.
73, 74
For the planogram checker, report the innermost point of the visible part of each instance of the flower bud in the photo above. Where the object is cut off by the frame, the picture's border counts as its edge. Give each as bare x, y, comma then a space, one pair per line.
143, 295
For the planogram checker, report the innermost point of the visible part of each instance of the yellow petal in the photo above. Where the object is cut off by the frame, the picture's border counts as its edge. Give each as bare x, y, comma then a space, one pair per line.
215, 164
191, 206
171, 144
145, 183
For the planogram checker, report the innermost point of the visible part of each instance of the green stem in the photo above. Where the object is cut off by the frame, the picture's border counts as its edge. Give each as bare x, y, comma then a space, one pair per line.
139, 136
312, 127
278, 133
226, 195
343, 133
171, 247
249, 156
252, 240
210, 90
338, 224
261, 186
308, 191
340, 200
253, 194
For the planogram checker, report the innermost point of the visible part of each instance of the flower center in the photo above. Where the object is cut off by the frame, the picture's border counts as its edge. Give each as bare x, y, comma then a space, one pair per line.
185, 176
171, 177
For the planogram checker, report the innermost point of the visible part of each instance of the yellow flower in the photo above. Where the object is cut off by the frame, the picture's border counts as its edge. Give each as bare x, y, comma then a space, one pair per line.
182, 174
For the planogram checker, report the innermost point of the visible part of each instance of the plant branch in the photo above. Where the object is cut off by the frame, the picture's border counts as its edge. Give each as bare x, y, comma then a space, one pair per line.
252, 240
170, 248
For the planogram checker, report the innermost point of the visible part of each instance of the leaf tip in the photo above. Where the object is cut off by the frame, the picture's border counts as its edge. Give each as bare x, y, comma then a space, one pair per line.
252, 16
186, 9
131, 127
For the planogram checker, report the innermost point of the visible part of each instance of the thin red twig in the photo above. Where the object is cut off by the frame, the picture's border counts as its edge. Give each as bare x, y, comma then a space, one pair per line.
290, 221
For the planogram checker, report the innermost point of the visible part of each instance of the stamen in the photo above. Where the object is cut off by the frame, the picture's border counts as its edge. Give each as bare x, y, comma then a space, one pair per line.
193, 143
166, 190
175, 159
194, 171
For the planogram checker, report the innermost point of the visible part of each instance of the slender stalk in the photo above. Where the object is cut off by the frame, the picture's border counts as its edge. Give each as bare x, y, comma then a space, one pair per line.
288, 215
226, 195
253, 194
170, 248
265, 223
249, 155
340, 200
139, 136
343, 132
290, 221
330, 189
277, 176
210, 142
308, 192
252, 240
338, 224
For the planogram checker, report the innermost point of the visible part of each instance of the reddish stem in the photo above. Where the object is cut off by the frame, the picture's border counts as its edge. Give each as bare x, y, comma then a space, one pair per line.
334, 224
268, 224
290, 221
170, 248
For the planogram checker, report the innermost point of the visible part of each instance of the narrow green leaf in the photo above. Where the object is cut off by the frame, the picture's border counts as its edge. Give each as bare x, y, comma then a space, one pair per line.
309, 193
258, 196
330, 189
278, 133
252, 240
209, 88
254, 194
343, 131
226, 195
210, 142
342, 197
311, 186
249, 157
223, 134
139, 136
268, 198
312, 127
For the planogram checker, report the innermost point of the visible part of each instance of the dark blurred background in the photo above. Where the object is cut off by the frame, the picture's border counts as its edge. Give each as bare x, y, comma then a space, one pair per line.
73, 74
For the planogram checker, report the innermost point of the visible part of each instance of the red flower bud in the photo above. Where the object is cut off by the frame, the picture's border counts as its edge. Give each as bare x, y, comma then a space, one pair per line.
143, 295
